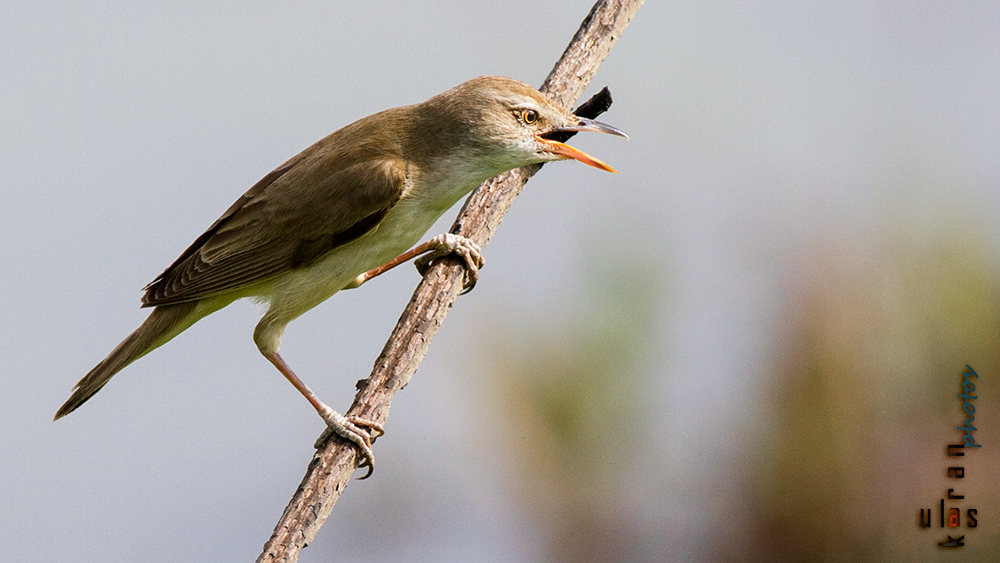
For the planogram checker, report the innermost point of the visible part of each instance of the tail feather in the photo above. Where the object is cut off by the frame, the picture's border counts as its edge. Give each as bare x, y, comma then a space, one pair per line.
163, 323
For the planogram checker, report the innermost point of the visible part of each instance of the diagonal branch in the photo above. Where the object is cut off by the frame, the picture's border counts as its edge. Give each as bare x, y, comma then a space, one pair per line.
333, 464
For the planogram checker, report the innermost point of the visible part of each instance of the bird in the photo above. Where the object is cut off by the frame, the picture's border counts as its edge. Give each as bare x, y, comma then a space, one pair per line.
336, 214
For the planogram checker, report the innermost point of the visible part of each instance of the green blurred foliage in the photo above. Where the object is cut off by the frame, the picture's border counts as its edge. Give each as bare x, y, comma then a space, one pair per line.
847, 417
568, 390
863, 400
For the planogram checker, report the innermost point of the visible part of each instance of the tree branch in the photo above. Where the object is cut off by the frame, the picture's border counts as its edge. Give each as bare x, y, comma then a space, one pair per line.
334, 463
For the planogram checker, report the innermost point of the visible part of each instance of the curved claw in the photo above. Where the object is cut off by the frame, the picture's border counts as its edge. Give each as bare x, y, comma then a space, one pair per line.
350, 428
471, 278
464, 247
371, 469
423, 263
369, 424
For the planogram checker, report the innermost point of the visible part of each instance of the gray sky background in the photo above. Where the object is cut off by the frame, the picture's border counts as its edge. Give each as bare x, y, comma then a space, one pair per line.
757, 129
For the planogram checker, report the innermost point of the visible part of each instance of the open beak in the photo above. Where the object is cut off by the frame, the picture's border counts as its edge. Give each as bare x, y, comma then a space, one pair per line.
562, 149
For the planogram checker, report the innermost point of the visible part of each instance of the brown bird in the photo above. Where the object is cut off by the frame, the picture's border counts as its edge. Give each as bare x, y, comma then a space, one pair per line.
325, 219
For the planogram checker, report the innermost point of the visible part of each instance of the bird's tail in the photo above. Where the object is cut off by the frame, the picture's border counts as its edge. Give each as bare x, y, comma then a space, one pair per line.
165, 322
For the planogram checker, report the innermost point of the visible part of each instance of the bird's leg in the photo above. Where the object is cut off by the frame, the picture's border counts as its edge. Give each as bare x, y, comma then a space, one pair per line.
441, 245
349, 427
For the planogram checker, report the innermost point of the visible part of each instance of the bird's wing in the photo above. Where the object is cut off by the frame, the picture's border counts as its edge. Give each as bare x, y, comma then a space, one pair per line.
294, 215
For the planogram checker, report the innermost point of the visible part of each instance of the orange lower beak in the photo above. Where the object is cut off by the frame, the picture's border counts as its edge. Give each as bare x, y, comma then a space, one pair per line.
566, 151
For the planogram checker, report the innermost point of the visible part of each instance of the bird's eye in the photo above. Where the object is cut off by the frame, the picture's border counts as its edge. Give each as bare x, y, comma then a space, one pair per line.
529, 116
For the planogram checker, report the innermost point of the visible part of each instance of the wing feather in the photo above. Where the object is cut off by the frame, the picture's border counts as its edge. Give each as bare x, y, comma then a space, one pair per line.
293, 216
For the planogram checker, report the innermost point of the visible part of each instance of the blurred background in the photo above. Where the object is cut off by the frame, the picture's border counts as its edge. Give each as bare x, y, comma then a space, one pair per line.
746, 346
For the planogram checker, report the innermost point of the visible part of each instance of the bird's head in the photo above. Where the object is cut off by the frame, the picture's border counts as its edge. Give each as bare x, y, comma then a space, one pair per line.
510, 124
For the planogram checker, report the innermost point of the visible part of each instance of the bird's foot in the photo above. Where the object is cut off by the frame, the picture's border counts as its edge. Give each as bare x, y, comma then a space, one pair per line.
464, 247
352, 428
